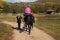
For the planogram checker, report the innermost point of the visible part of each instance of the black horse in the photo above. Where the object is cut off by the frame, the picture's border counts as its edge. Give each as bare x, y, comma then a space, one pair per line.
29, 20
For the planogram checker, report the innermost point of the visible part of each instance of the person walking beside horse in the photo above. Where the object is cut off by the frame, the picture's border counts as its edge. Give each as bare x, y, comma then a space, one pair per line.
19, 20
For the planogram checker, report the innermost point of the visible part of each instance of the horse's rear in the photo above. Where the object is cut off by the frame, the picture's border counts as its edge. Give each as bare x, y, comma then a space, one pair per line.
29, 22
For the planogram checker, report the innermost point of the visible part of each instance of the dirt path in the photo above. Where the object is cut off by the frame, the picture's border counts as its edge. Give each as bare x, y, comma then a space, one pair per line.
36, 34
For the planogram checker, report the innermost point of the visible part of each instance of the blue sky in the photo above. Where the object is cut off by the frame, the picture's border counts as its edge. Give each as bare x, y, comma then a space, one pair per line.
9, 0
20, 0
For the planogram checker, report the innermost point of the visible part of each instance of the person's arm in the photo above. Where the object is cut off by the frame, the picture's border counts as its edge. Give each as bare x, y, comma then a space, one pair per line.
17, 18
20, 17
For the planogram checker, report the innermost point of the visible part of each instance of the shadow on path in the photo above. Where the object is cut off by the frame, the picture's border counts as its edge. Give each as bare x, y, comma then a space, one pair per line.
21, 29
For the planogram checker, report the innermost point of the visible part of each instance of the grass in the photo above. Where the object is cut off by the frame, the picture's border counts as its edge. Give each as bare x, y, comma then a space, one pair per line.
7, 18
5, 32
50, 24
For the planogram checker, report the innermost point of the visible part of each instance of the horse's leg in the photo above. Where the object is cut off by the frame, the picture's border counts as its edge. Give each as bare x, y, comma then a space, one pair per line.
29, 27
25, 27
32, 25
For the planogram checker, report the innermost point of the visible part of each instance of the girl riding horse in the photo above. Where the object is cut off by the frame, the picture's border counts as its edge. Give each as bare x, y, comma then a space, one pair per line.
28, 18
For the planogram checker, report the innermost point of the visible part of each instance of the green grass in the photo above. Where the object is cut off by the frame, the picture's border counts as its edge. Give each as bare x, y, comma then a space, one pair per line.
9, 17
50, 23
5, 32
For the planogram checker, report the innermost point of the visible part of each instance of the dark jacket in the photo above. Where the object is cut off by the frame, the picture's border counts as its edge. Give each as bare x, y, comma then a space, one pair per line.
19, 19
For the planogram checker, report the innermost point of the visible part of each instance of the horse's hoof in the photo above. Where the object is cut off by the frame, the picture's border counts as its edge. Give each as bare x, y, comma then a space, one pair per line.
28, 33
18, 28
26, 30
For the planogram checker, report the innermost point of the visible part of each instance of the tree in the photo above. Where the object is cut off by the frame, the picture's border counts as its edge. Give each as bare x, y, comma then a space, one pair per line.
1, 5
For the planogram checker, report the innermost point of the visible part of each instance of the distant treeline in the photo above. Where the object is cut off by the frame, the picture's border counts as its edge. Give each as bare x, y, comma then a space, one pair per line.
37, 7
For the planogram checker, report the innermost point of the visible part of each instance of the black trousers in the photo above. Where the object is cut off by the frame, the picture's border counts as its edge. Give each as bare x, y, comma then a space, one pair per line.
19, 25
